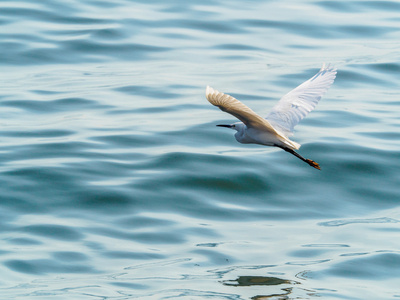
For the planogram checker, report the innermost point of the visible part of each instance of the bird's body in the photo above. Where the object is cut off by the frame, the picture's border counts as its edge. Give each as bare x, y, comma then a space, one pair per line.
276, 128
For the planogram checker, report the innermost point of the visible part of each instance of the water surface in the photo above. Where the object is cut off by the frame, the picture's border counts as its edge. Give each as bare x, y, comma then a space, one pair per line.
116, 183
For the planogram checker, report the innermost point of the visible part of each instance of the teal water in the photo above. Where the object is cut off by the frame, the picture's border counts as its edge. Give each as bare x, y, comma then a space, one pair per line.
116, 183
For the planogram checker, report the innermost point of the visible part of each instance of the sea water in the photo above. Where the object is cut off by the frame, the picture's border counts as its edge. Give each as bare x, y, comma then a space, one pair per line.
115, 182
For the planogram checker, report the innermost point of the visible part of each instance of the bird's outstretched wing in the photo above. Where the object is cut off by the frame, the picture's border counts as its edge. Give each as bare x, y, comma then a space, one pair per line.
237, 109
296, 104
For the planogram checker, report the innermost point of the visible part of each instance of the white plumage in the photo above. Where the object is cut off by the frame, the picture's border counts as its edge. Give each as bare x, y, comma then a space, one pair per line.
276, 128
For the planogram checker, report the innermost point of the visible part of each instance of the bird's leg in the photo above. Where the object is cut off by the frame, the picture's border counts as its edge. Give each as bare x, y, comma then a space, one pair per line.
309, 161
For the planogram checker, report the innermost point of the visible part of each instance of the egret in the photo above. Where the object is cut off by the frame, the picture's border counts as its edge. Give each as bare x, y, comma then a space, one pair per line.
276, 128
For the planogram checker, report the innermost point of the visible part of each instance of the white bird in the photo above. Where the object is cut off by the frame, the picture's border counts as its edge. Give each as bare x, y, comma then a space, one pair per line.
276, 128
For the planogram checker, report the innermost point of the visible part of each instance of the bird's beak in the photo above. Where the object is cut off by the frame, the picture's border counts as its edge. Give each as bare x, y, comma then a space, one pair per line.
228, 126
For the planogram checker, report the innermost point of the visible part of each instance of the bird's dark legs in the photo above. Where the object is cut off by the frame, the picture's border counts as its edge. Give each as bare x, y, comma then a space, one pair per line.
309, 161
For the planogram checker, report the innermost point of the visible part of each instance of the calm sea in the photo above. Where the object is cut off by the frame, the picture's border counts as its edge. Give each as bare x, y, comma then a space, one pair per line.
116, 184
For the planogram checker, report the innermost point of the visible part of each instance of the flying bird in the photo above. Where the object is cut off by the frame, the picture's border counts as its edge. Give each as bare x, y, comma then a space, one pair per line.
277, 127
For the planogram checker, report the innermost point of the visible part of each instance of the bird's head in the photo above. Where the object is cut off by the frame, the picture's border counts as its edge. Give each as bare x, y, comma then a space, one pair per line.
239, 126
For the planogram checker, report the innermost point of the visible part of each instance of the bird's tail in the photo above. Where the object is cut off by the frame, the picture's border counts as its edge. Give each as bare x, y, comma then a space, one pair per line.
286, 141
290, 144
295, 145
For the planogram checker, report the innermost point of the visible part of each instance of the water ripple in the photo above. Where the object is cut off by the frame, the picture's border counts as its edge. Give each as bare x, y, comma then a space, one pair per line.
359, 221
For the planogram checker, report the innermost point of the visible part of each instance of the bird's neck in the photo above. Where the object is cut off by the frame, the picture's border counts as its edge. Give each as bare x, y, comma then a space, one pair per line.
242, 137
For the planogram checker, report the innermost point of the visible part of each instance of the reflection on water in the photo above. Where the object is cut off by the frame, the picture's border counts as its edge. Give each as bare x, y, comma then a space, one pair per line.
256, 280
245, 281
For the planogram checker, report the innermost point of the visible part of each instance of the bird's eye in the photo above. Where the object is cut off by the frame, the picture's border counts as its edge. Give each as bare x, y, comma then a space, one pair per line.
233, 126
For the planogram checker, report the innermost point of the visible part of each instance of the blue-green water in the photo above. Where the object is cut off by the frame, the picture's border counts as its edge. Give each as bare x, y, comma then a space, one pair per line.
116, 183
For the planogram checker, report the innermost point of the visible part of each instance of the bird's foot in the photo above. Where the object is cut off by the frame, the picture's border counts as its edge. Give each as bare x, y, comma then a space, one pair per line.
313, 164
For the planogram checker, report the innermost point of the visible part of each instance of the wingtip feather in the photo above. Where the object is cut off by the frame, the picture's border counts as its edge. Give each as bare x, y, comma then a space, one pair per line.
328, 67
209, 91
